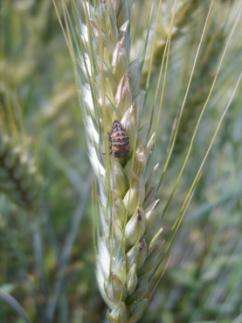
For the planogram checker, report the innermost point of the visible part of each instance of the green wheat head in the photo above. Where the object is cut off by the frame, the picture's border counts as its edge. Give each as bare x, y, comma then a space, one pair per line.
18, 175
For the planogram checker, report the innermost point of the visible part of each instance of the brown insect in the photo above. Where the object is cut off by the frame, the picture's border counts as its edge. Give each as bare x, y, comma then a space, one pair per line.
119, 141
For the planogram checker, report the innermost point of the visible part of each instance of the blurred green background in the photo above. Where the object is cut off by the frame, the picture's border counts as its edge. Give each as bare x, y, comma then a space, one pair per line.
47, 257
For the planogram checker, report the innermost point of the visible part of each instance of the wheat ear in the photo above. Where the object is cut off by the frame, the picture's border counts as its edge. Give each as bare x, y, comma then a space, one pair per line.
18, 176
110, 91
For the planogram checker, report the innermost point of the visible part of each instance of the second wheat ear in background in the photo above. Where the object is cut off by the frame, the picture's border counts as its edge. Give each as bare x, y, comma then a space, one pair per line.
119, 141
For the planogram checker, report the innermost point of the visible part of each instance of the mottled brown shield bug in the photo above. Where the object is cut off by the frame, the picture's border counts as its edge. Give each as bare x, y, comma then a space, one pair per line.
119, 141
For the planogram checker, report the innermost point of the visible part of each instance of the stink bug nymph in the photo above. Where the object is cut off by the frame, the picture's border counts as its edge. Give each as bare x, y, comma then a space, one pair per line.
119, 141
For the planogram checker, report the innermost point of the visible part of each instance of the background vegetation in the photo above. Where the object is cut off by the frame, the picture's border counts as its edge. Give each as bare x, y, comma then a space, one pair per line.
47, 256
